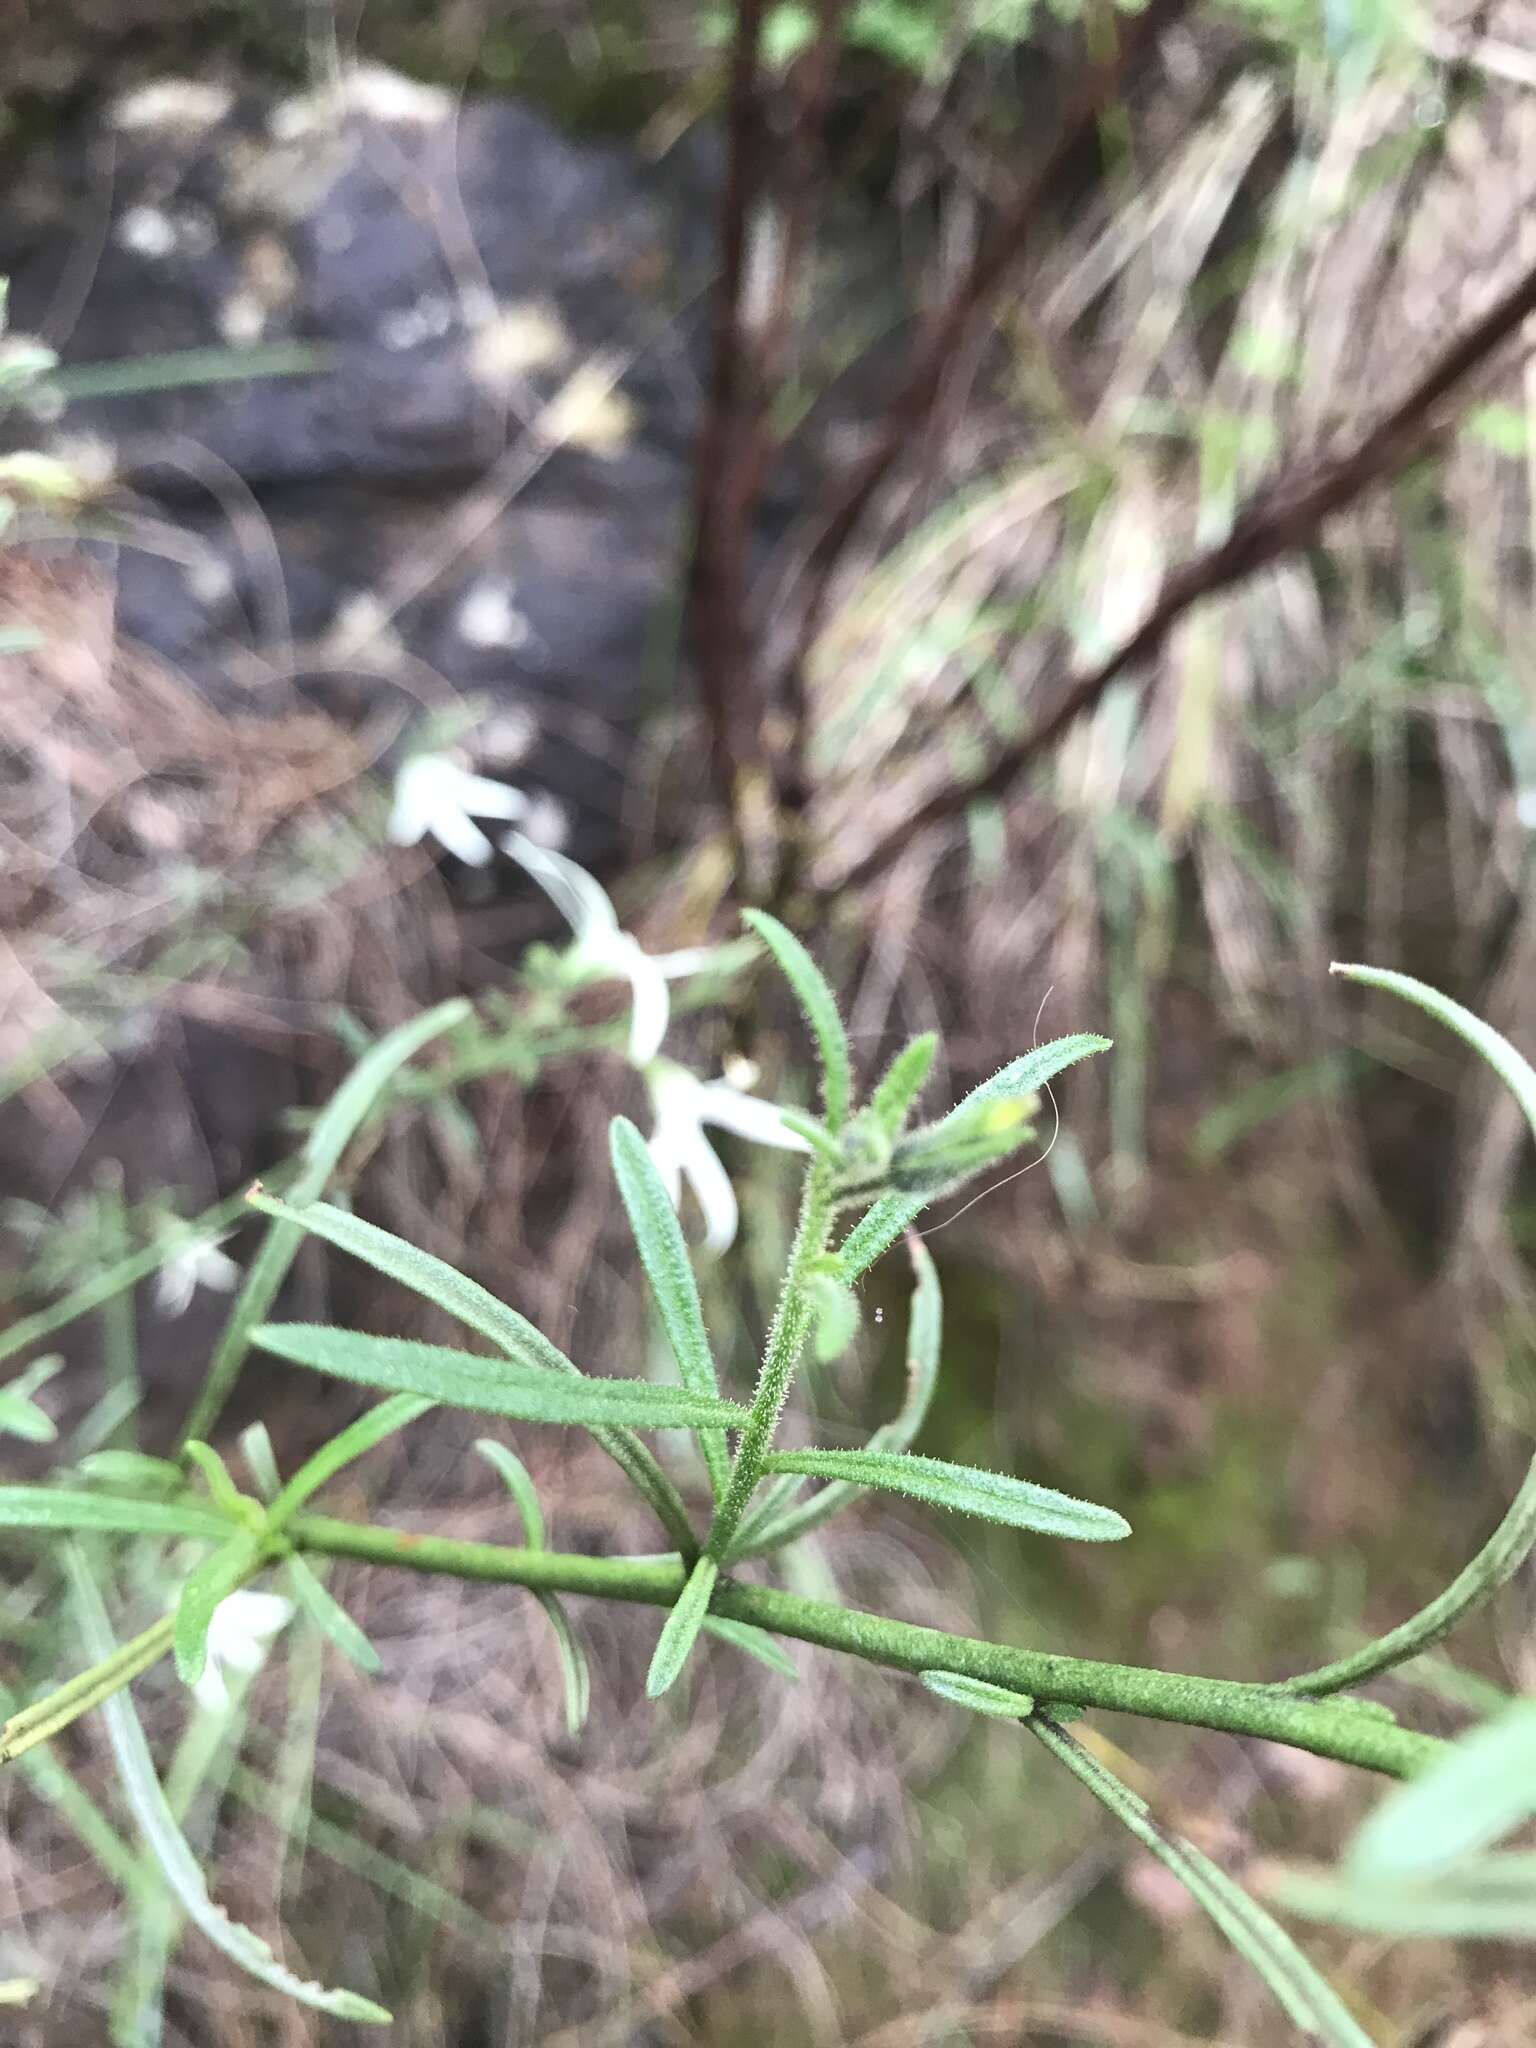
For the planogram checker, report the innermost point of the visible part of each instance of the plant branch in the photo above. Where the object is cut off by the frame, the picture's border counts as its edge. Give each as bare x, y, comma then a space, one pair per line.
1281, 516
1347, 1732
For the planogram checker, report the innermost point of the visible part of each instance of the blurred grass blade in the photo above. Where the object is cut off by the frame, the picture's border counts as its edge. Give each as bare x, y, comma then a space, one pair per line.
820, 1007
752, 1642
778, 1525
58, 1507
1488, 1898
519, 1483
874, 1233
132, 1469
330, 1617
663, 1252
680, 1630
332, 1132
222, 1490
1483, 1789
212, 1582
979, 1695
478, 1309
19, 1413
1262, 1943
995, 1496
168, 1845
492, 1386
182, 368
353, 1441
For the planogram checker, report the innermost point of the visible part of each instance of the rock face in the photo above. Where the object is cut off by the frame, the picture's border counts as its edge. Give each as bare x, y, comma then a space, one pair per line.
467, 486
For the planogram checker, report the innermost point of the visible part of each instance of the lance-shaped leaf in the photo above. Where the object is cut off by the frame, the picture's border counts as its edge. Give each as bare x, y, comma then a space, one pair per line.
493, 1386
1262, 1943
1488, 1898
58, 1507
942, 1157
902, 1083
664, 1254
19, 1413
214, 1580
478, 1309
1481, 1790
168, 1845
820, 1007
330, 1617
518, 1481
875, 1232
353, 1441
979, 1695
680, 1630
752, 1642
995, 1496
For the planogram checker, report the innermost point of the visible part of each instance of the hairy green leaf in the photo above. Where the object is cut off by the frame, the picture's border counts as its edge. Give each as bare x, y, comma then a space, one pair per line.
493, 1386
996, 1496
680, 1630
903, 1081
1489, 1898
664, 1254
1482, 1789
820, 1007
982, 1698
575, 1678
752, 1642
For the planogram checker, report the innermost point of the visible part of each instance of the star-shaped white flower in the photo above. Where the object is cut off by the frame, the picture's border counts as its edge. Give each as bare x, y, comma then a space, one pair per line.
239, 1637
683, 1105
602, 949
437, 795
197, 1263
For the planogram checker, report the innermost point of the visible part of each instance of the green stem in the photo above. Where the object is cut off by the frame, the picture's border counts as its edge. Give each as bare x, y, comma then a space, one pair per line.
786, 1340
1333, 1728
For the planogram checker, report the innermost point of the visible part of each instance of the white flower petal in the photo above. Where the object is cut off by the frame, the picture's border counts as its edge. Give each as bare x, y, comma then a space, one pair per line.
484, 798
712, 1189
748, 1116
175, 1284
685, 961
651, 1006
579, 897
460, 836
210, 1691
667, 1158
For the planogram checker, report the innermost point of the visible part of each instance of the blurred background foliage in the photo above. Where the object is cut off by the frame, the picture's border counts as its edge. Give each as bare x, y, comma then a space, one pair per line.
1270, 1291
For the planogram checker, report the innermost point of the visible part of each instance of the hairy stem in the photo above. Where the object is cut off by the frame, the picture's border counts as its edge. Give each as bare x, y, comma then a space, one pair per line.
1338, 1729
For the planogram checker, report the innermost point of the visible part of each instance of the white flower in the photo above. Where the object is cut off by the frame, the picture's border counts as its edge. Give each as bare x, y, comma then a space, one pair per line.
239, 1636
601, 949
197, 1263
683, 1105
436, 794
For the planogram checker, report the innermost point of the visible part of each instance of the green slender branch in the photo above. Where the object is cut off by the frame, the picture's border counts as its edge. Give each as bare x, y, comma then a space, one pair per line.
1346, 1732
1494, 1566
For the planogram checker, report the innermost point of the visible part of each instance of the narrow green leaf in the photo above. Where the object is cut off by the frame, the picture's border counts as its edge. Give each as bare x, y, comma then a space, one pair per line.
168, 1845
58, 1507
493, 1386
132, 1469
681, 1628
815, 1134
820, 1007
903, 1081
519, 1483
980, 1696
752, 1642
996, 1496
942, 1157
1262, 1943
330, 1617
358, 1437
836, 1309
469, 1303
222, 1490
575, 1677
1512, 1068
664, 1254
877, 1231
19, 1413
57, 1710
333, 1131
1481, 1790
214, 1580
